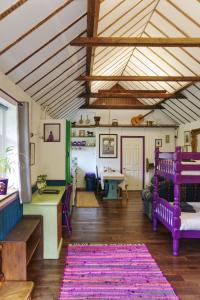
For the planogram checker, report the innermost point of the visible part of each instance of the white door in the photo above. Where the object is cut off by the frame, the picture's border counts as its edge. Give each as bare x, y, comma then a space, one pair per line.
132, 162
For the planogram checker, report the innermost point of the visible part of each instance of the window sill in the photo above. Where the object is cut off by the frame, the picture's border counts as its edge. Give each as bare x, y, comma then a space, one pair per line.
9, 197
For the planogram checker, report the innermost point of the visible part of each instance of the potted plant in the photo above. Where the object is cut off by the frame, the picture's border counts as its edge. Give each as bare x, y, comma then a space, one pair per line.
5, 168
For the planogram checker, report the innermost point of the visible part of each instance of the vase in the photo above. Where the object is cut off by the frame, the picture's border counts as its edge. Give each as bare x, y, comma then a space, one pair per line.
97, 120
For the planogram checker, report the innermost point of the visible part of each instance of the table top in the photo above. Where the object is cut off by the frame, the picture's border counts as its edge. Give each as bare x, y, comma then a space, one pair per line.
47, 199
112, 175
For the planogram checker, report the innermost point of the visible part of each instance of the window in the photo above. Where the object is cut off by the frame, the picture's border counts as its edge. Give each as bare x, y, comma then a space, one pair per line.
8, 138
2, 128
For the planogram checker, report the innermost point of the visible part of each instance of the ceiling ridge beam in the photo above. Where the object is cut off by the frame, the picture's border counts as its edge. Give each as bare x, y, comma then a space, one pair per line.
135, 42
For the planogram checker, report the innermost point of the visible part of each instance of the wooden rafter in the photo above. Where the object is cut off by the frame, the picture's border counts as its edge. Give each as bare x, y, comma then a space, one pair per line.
55, 12
45, 44
57, 66
80, 60
122, 107
135, 42
131, 95
58, 84
139, 78
11, 9
92, 24
46, 60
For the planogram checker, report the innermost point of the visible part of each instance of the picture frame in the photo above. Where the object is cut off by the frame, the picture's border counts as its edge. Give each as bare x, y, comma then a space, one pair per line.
187, 138
167, 139
32, 154
108, 145
51, 132
158, 143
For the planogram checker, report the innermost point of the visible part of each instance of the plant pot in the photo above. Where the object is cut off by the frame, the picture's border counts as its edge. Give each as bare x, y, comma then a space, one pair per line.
97, 120
3, 186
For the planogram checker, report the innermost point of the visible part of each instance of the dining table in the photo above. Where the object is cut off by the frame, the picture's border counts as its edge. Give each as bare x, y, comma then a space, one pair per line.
113, 178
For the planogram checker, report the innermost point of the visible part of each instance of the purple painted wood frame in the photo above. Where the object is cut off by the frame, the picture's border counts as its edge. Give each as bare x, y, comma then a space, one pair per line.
174, 173
143, 157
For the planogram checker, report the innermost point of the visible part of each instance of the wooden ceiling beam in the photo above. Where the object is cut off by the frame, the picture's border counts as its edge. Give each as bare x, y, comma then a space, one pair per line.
135, 42
130, 95
122, 107
92, 25
122, 91
130, 91
139, 78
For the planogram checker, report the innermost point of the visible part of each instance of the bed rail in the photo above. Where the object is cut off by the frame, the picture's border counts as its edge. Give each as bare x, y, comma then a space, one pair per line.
164, 213
174, 166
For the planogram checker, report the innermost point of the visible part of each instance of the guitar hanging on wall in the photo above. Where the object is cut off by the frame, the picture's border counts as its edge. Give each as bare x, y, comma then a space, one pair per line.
139, 119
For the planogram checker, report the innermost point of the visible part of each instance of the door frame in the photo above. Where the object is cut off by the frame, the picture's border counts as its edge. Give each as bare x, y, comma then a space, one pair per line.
143, 147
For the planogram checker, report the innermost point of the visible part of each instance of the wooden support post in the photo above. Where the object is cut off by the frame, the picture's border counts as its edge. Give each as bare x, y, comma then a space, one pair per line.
155, 190
176, 210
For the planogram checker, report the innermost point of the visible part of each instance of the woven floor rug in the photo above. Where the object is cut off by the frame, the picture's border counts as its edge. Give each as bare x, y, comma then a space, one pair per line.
113, 272
86, 199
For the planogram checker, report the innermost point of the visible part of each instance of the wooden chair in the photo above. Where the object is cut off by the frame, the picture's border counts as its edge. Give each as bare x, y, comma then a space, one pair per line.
66, 209
98, 182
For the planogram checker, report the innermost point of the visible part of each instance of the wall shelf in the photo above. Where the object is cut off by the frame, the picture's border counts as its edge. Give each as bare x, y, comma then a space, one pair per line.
83, 137
127, 126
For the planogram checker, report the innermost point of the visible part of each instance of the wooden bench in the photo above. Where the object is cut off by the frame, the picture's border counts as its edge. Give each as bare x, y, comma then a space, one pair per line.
16, 290
24, 241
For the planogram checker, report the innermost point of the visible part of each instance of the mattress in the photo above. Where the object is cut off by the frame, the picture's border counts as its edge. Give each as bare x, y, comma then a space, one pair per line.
190, 163
191, 221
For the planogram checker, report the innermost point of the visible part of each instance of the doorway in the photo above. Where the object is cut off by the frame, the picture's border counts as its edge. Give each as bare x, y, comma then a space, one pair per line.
132, 161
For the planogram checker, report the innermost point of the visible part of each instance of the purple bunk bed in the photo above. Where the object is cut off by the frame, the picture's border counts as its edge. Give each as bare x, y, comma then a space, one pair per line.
178, 167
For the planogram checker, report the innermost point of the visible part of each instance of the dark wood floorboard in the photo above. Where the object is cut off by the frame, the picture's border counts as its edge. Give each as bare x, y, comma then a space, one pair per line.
123, 222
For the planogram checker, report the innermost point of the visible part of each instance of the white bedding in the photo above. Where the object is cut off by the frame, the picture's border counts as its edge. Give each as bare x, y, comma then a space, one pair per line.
190, 163
191, 221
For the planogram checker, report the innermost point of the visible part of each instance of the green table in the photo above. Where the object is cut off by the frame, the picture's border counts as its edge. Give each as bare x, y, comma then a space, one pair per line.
50, 207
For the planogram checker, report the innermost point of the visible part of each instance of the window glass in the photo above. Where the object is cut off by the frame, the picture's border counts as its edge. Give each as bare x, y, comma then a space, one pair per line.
9, 140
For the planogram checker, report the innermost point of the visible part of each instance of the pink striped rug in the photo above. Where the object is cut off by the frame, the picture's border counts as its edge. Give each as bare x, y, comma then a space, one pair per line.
113, 272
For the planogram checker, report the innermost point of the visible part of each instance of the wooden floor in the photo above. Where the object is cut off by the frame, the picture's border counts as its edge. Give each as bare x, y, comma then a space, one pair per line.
123, 222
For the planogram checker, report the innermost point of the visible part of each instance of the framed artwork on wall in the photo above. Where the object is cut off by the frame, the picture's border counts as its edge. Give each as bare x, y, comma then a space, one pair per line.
167, 139
187, 138
108, 146
52, 132
158, 143
32, 154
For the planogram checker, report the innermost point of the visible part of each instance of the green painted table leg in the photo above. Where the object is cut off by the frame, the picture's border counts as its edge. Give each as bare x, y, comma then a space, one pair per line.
112, 190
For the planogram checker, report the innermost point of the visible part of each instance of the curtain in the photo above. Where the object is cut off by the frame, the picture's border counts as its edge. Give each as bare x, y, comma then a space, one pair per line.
25, 191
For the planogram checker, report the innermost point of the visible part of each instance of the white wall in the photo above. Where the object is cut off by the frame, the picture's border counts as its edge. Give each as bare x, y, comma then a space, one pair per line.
35, 113
86, 158
52, 155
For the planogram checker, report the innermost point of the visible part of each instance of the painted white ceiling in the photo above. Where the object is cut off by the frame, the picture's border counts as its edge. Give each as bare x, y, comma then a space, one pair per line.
35, 51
